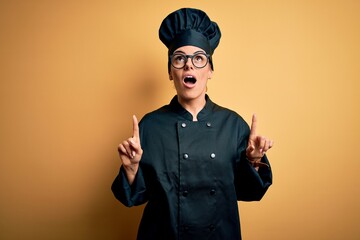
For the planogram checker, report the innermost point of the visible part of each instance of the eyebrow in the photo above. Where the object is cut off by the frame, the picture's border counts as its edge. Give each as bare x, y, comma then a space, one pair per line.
186, 54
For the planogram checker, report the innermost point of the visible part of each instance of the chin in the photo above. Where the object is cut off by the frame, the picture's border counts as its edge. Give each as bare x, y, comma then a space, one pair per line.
189, 96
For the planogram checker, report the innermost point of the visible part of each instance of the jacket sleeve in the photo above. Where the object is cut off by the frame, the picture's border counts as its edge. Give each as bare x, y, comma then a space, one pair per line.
130, 195
251, 185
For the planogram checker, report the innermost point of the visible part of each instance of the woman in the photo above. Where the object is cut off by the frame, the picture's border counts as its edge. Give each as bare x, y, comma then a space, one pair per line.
191, 160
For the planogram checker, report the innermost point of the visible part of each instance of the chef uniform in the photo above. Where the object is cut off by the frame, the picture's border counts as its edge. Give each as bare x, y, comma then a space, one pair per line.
192, 173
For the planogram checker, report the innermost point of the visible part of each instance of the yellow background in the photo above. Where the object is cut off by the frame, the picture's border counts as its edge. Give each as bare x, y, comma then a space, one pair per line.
73, 73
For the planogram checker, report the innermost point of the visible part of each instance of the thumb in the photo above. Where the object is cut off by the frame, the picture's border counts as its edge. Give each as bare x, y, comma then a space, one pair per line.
250, 147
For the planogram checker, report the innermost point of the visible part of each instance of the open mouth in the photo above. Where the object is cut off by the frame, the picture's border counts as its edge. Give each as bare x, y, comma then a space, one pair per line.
190, 80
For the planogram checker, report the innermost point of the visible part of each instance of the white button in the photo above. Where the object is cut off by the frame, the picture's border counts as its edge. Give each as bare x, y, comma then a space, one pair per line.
186, 156
212, 155
208, 124
183, 125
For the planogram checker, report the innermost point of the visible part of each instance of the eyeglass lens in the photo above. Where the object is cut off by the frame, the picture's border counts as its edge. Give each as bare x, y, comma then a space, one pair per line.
179, 60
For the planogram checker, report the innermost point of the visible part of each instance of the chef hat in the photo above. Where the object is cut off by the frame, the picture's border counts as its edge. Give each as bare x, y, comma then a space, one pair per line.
188, 26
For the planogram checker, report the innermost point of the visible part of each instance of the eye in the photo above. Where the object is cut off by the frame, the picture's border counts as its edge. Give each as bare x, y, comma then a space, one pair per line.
179, 58
199, 58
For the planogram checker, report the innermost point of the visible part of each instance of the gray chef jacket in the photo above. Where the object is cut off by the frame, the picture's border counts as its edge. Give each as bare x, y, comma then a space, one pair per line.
192, 174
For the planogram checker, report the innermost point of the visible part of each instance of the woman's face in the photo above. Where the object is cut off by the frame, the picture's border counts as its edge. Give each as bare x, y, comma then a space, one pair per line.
190, 82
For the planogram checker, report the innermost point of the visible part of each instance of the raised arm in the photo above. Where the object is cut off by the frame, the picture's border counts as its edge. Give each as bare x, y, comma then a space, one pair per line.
130, 152
254, 175
257, 146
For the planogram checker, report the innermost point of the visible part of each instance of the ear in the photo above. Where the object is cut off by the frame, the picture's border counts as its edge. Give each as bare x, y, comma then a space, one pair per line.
210, 74
170, 77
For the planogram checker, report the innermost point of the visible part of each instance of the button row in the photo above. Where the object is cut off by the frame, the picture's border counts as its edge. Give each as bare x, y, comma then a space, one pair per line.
186, 156
183, 125
185, 193
186, 228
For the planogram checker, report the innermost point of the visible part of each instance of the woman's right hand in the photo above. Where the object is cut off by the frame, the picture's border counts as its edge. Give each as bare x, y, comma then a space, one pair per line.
130, 152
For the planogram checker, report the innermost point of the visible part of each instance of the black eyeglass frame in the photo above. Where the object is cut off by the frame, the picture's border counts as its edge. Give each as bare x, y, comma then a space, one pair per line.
191, 57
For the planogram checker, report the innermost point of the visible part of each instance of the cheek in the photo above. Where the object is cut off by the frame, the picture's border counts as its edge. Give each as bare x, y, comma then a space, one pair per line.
206, 73
205, 76
175, 75
176, 81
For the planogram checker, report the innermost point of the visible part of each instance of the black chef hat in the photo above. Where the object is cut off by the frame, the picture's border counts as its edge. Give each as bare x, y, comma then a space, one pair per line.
188, 26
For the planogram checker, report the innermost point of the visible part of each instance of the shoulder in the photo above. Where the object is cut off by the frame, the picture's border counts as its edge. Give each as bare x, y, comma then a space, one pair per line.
157, 117
158, 113
227, 113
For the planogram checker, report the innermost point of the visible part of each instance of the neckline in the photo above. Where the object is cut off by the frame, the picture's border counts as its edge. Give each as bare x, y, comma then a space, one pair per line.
202, 115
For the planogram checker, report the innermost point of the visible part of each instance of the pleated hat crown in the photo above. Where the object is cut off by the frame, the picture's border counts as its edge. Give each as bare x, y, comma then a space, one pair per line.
189, 26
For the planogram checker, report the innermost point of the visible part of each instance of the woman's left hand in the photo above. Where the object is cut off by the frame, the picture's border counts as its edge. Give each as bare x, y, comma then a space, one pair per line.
257, 145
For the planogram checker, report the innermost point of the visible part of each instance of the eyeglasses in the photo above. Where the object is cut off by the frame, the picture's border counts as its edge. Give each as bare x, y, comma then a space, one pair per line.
199, 60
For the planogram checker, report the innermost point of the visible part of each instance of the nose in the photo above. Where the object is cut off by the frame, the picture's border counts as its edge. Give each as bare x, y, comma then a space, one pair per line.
188, 64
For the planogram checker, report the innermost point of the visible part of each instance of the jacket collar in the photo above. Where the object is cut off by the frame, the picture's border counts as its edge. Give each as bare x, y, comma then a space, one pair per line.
176, 107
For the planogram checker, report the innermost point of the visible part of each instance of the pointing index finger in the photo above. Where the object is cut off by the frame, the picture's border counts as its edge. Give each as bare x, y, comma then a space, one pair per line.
135, 128
253, 125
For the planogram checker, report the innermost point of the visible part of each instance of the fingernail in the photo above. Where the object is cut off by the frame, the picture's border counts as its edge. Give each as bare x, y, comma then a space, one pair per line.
133, 154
